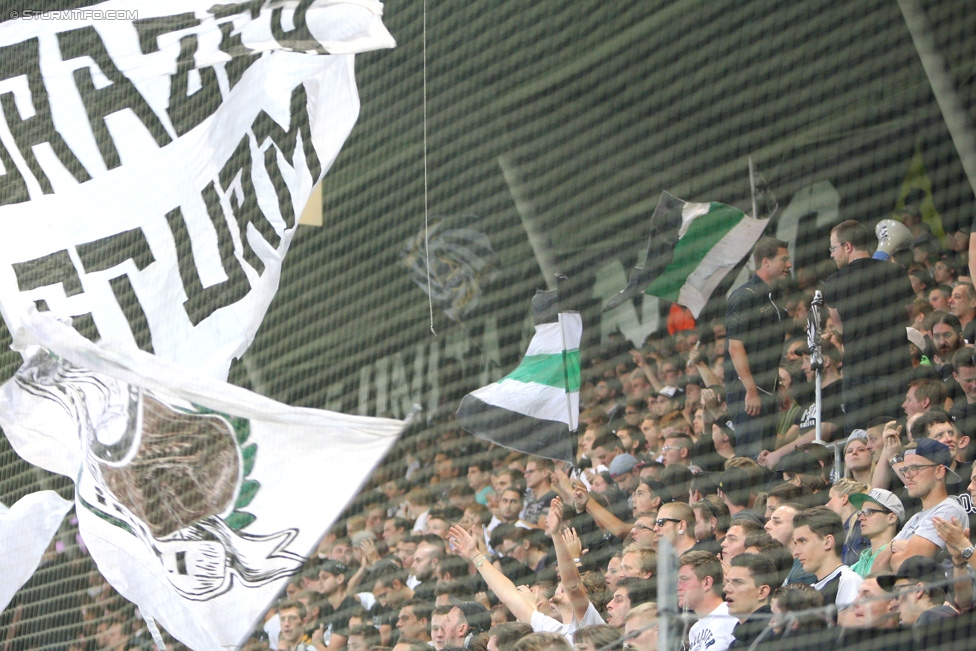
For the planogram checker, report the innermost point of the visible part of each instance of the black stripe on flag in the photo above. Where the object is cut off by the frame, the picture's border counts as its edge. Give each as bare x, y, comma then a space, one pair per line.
509, 429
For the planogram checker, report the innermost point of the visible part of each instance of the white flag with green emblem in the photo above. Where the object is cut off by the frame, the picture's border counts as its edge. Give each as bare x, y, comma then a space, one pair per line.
197, 499
712, 239
535, 408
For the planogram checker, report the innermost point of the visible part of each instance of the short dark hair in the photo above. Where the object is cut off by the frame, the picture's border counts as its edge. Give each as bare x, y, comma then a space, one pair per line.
704, 564
851, 232
290, 604
934, 416
368, 632
823, 522
762, 569
767, 247
421, 608
507, 634
639, 591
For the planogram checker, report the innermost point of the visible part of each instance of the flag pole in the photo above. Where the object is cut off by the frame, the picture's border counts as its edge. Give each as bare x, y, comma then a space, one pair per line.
752, 187
569, 402
540, 244
816, 357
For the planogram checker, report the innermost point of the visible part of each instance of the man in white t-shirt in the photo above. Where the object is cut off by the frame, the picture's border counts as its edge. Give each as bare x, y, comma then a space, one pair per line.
818, 535
700, 584
923, 468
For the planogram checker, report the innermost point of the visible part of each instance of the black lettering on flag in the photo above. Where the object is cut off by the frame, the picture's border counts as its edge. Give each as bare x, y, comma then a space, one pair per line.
125, 294
48, 270
149, 29
113, 250
286, 141
118, 96
13, 188
85, 325
238, 166
186, 111
202, 302
22, 59
241, 56
299, 39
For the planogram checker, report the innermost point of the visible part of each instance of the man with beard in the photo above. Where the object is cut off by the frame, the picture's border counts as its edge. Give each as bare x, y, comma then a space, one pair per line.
429, 553
947, 337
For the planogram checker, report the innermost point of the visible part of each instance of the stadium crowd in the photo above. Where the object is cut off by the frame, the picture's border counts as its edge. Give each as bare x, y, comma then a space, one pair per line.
701, 444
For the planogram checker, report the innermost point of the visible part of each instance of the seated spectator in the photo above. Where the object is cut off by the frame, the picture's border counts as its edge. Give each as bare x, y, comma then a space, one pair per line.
504, 636
630, 592
875, 608
817, 538
880, 513
749, 584
700, 585
919, 585
641, 628
840, 503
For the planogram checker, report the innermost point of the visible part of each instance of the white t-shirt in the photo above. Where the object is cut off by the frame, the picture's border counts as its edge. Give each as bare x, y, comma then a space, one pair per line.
713, 632
543, 623
921, 525
849, 583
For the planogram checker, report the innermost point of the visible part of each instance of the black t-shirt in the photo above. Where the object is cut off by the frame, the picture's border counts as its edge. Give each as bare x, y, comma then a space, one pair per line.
753, 318
832, 402
964, 414
871, 297
336, 620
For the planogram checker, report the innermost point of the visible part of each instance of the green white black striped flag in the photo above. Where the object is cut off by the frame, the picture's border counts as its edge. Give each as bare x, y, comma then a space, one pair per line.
691, 248
535, 408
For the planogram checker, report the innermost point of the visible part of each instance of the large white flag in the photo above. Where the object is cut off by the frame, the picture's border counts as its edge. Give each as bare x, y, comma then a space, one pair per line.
156, 154
197, 499
25, 529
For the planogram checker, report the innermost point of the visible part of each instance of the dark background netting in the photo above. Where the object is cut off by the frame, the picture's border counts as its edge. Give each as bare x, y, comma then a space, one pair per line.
594, 108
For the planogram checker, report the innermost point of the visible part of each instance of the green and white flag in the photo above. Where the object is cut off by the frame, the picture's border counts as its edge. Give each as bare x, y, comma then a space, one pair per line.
691, 247
535, 408
712, 240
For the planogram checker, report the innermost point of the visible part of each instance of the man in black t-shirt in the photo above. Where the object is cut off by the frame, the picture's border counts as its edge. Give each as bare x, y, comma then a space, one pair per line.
868, 301
832, 415
754, 335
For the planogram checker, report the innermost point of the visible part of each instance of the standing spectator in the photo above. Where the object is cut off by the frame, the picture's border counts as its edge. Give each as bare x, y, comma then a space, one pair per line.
868, 301
749, 584
920, 585
538, 492
754, 327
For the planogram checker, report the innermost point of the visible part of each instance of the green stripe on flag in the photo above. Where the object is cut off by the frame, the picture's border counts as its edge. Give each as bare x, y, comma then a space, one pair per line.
703, 234
551, 370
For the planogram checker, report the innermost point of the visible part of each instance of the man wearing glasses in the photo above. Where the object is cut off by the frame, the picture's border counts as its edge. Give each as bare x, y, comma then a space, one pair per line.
921, 592
923, 469
868, 301
880, 514
676, 523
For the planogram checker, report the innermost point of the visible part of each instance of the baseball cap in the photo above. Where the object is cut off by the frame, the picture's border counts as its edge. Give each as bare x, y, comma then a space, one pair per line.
918, 568
476, 615
933, 451
622, 463
333, 567
800, 462
916, 337
881, 497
